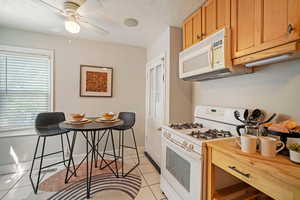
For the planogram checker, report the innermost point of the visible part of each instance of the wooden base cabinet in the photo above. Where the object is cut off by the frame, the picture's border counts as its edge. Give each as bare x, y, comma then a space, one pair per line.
263, 24
277, 177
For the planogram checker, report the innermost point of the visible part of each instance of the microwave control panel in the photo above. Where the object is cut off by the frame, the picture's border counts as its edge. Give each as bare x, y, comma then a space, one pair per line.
218, 53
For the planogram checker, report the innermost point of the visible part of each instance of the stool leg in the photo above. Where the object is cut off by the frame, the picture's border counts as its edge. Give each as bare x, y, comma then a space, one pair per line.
32, 164
122, 136
35, 188
63, 150
137, 154
136, 149
119, 144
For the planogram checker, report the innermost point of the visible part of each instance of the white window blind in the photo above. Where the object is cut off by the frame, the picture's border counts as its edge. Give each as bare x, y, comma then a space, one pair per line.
25, 89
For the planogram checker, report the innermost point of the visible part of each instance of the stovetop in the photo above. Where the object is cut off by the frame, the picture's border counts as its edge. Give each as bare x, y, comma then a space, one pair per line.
199, 132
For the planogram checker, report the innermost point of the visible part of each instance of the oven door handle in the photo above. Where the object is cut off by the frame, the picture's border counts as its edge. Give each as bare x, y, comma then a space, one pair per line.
195, 155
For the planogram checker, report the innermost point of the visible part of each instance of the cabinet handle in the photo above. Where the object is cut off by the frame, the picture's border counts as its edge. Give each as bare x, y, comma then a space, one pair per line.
238, 171
198, 37
290, 28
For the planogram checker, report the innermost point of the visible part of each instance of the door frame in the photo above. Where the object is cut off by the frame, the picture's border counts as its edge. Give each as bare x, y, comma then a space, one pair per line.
150, 65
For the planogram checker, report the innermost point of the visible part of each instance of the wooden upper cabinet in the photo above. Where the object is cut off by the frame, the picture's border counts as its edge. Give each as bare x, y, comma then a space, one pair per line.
215, 16
262, 24
188, 33
243, 25
197, 26
279, 19
209, 17
192, 29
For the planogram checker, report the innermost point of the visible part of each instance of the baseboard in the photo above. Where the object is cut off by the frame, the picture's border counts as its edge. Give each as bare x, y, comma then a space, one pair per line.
152, 162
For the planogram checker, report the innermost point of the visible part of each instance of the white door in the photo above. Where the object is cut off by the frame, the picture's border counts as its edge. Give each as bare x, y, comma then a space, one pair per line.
155, 107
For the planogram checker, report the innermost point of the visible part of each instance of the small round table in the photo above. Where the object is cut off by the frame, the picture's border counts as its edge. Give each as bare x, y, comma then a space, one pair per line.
89, 132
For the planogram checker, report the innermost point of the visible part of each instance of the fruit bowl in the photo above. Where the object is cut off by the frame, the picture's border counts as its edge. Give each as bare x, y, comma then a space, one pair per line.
77, 116
108, 116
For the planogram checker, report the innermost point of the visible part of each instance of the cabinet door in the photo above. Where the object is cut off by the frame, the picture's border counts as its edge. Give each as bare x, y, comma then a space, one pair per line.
243, 26
197, 27
209, 16
188, 33
258, 25
279, 22
223, 13
215, 16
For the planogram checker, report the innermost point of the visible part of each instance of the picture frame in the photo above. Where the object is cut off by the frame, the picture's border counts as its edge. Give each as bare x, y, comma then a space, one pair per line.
96, 81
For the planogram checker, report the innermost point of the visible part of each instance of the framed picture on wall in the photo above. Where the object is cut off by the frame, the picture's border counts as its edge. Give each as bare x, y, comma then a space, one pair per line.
96, 81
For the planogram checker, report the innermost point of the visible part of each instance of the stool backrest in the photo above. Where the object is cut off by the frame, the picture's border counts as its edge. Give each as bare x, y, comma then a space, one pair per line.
48, 119
128, 118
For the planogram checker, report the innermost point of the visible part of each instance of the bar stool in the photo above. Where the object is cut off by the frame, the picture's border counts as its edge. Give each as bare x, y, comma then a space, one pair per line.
46, 125
129, 121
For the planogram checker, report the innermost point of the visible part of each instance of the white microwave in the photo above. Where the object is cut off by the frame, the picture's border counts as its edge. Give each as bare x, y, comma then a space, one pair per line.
203, 58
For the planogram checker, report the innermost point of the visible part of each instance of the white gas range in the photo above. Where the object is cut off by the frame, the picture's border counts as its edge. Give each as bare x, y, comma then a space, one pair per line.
184, 151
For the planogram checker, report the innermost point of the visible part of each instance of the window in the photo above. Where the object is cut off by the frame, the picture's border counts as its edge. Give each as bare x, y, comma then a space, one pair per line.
25, 86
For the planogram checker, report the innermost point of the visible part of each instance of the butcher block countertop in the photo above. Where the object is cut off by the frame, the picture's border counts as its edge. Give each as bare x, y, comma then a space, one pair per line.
277, 177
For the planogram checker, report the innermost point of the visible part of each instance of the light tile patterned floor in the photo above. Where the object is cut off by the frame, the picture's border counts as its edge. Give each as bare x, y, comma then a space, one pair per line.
18, 187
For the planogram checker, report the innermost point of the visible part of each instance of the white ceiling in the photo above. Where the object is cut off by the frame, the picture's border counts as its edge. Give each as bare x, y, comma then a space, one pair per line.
154, 17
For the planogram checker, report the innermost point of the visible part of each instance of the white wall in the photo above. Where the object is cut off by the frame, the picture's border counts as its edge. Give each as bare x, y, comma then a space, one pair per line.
273, 88
128, 63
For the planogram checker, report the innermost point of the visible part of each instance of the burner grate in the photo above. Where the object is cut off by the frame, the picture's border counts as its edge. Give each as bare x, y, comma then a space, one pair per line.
210, 134
185, 125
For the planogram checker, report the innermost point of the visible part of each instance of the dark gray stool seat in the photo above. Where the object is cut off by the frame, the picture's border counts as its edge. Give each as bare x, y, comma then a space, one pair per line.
46, 125
129, 121
50, 130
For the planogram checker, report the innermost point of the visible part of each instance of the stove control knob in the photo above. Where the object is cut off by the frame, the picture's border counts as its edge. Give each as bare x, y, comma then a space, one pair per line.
167, 135
185, 144
191, 147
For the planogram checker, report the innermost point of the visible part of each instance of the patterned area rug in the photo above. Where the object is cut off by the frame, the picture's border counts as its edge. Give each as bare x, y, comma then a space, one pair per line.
102, 180
129, 185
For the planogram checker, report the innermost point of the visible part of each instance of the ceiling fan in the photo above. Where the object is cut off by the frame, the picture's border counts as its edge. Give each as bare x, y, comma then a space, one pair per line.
73, 19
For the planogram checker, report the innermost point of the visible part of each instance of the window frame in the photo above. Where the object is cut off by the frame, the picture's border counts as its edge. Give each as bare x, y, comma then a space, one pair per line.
31, 52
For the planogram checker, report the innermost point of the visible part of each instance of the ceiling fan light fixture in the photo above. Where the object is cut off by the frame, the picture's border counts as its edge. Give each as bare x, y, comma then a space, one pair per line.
72, 26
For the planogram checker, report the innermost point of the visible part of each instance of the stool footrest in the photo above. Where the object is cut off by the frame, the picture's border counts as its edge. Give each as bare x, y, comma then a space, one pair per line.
50, 154
128, 147
54, 164
112, 155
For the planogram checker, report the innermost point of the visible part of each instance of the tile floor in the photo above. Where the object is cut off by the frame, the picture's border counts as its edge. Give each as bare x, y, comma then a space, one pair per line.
17, 186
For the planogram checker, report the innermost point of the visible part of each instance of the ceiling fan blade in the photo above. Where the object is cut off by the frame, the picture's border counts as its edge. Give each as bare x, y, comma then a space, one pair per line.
50, 6
91, 6
84, 20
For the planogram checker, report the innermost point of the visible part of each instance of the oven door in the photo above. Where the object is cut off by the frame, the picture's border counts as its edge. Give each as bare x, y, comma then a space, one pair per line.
182, 170
195, 61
